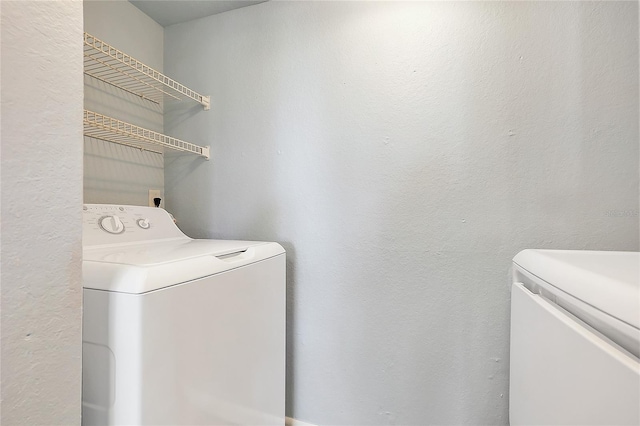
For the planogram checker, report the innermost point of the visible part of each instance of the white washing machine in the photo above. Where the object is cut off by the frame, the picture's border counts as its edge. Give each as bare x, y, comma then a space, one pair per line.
575, 338
179, 331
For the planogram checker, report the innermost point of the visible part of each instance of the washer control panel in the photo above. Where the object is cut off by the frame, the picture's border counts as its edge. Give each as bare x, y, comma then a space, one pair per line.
116, 224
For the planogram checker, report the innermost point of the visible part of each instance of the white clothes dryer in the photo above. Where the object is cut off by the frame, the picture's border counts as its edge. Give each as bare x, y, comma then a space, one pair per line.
575, 338
179, 331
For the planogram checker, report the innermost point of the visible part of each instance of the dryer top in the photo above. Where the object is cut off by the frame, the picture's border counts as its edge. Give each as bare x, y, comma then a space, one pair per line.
607, 280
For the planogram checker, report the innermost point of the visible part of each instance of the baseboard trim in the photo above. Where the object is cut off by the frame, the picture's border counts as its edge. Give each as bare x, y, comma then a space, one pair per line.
289, 421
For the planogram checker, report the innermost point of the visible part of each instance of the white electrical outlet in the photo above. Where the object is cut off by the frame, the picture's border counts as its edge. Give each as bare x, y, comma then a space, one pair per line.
153, 193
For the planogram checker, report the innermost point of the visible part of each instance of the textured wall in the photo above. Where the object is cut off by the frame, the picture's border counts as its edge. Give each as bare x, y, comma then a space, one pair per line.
403, 153
41, 188
116, 173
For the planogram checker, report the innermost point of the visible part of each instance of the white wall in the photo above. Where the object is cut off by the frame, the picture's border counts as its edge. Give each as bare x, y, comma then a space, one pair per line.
41, 185
114, 173
403, 153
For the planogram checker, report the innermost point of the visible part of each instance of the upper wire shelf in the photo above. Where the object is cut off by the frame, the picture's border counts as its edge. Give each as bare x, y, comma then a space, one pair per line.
113, 130
108, 64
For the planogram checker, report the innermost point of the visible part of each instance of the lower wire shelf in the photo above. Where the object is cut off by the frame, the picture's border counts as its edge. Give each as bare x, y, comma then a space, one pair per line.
113, 130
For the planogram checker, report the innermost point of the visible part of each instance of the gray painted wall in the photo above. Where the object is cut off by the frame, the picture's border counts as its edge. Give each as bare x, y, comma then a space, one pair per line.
403, 153
41, 186
114, 173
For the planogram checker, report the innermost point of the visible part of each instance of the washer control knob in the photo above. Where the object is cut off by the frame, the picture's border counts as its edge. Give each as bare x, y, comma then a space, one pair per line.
112, 224
144, 223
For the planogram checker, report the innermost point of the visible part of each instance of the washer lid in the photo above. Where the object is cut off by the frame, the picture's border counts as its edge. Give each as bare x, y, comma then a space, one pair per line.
139, 268
607, 280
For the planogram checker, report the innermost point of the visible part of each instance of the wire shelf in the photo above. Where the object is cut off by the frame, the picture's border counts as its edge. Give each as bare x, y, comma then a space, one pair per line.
110, 65
113, 130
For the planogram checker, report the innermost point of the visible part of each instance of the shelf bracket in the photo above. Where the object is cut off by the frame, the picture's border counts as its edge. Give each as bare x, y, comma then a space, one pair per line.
206, 102
205, 152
